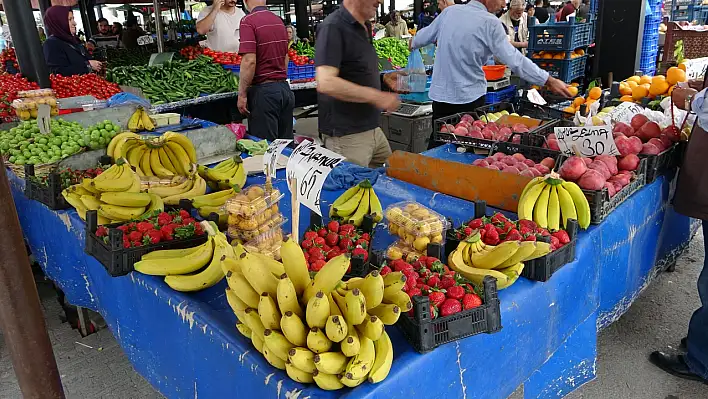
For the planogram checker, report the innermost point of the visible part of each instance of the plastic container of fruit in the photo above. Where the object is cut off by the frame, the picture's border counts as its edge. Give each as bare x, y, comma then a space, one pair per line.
247, 235
36, 93
267, 244
358, 267
416, 221
252, 201
49, 195
541, 269
267, 217
401, 250
444, 133
663, 161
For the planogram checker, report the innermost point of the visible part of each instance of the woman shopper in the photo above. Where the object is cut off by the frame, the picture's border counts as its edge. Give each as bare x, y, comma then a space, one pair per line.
63, 52
691, 199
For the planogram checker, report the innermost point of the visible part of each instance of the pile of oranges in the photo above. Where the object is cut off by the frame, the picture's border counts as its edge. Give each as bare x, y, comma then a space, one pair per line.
636, 88
592, 96
554, 55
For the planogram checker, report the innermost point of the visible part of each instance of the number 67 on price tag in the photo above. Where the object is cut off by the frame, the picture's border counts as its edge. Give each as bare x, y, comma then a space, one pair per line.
310, 164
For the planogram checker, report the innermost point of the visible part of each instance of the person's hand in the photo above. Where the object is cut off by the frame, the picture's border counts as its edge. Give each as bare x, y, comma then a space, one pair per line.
388, 102
696, 84
95, 65
559, 87
679, 95
391, 80
217, 4
242, 104
523, 44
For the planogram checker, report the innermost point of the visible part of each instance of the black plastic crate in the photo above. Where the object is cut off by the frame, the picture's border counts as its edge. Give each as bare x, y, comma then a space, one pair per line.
359, 267
49, 195
543, 112
560, 36
496, 107
665, 160
426, 334
117, 260
472, 142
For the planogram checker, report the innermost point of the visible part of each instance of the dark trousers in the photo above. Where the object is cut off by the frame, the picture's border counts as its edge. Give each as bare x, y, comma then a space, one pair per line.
442, 110
271, 107
697, 357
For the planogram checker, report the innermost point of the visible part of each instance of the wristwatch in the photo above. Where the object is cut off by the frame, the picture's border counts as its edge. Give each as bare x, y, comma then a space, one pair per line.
687, 103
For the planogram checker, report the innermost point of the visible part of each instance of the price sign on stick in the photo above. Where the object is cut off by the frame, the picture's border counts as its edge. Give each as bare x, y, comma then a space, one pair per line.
146, 39
535, 97
43, 118
586, 141
625, 111
310, 164
270, 158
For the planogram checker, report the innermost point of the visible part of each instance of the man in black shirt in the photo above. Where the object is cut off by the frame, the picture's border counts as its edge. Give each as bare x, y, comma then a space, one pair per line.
541, 13
348, 82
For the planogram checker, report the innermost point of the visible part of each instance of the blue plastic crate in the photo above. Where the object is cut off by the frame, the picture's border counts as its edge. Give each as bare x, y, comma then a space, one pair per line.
297, 72
560, 36
701, 15
233, 68
498, 96
566, 69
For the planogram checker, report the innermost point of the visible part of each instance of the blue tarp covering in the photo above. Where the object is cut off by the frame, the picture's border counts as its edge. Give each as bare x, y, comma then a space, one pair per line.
186, 345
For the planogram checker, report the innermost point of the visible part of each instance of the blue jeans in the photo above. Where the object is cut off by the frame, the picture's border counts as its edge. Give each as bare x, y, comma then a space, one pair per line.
697, 357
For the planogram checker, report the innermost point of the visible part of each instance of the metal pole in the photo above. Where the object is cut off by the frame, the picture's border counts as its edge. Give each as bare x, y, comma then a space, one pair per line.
21, 317
43, 5
158, 27
88, 28
26, 40
302, 19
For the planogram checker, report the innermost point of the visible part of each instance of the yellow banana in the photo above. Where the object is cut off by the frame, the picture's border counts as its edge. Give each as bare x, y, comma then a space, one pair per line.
180, 160
351, 383
243, 329
542, 248
375, 204
273, 266
528, 201
147, 121
399, 298
253, 321
317, 341
317, 310
157, 168
287, 297
126, 199
294, 329
336, 328
350, 345
512, 273
257, 341
540, 210
252, 268
472, 273
372, 286
135, 154
330, 362
243, 289
165, 160
525, 251
362, 210
328, 382
270, 356
553, 210
188, 264
134, 119
145, 166
110, 150
581, 203
169, 191
136, 186
75, 200
567, 207
360, 365
213, 199
207, 277
90, 202
296, 374
184, 142
268, 312
492, 258
384, 358
388, 313
295, 265
199, 188
117, 212
237, 305
120, 183
346, 196
171, 253
328, 277
355, 312
372, 327
533, 182
303, 359
277, 342
350, 206
174, 161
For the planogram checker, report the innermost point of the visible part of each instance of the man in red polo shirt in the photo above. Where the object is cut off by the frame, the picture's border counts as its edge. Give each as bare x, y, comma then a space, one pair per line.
264, 94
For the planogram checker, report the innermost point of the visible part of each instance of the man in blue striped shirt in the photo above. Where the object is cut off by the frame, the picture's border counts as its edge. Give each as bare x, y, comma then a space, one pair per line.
467, 37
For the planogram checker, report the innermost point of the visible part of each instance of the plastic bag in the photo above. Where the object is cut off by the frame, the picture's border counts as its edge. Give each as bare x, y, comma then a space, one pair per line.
415, 63
124, 98
414, 79
238, 129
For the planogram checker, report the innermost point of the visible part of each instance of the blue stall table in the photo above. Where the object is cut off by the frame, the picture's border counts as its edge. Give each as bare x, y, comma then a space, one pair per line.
186, 345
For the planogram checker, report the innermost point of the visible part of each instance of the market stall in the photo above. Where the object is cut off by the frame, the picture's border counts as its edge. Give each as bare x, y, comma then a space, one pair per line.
186, 344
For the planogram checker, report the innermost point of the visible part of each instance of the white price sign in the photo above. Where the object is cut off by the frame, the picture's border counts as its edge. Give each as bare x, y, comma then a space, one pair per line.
535, 97
587, 141
625, 111
270, 158
146, 39
43, 118
310, 164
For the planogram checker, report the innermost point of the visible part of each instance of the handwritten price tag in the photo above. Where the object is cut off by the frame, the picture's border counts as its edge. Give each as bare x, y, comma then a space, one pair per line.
146, 39
310, 164
270, 158
625, 111
586, 141
43, 118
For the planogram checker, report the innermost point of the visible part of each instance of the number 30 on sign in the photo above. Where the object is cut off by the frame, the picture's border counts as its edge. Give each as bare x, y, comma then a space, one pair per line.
586, 141
310, 164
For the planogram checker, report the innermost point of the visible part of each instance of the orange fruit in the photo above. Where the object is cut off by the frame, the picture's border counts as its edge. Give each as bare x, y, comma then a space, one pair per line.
573, 90
646, 79
595, 93
548, 56
625, 90
558, 56
657, 78
646, 85
575, 84
682, 67
639, 92
580, 51
675, 75
671, 89
634, 79
536, 56
658, 87
578, 101
632, 84
569, 110
626, 98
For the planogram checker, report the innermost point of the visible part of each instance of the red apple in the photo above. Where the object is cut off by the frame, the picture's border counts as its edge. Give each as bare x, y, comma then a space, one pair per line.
638, 121
572, 168
649, 131
628, 162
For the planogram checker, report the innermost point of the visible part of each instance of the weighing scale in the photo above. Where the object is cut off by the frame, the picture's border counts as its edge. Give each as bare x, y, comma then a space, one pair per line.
495, 85
412, 110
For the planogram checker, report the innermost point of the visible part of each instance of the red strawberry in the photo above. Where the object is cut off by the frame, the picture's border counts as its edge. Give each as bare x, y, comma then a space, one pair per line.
333, 226
530, 237
332, 253
123, 228
183, 213
410, 274
430, 261
425, 288
525, 230
188, 221
513, 235
471, 301
385, 270
455, 292
491, 238
433, 281
361, 251
145, 227
126, 244
476, 223
310, 235
317, 265
102, 231
467, 231
307, 257
543, 232
307, 244
449, 307
366, 237
326, 248
433, 312
419, 285
489, 227
346, 229
345, 243
319, 241
332, 239
414, 292
399, 267
155, 236
322, 232
436, 298
482, 233
555, 243
562, 236
411, 282
499, 218
529, 224
362, 243
135, 236
447, 282
508, 226
314, 250
135, 243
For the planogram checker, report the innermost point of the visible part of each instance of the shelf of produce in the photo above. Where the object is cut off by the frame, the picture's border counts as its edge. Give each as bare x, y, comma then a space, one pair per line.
224, 364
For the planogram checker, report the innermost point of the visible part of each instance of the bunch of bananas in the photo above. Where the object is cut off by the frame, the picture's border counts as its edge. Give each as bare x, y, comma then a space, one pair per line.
474, 260
356, 202
140, 121
550, 200
318, 330
115, 194
166, 156
179, 188
190, 269
227, 174
214, 202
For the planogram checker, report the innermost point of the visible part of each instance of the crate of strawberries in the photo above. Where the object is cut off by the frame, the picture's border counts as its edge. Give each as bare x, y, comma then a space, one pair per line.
444, 306
119, 246
47, 188
321, 243
498, 228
